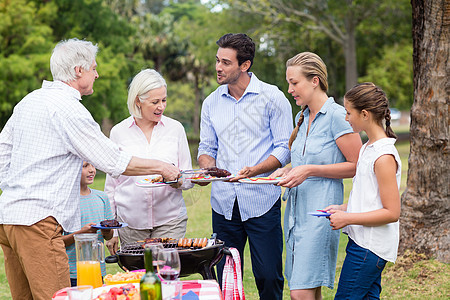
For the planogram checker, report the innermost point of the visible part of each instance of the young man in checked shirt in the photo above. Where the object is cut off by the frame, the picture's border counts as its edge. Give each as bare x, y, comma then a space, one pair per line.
42, 147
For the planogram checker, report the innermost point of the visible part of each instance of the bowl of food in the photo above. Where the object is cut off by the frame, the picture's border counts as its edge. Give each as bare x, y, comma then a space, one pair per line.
123, 278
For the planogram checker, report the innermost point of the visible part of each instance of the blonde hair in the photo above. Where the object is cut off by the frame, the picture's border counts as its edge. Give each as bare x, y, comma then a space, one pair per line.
311, 65
142, 83
368, 96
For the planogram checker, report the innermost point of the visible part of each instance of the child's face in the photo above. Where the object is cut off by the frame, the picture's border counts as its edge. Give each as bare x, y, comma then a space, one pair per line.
87, 173
353, 116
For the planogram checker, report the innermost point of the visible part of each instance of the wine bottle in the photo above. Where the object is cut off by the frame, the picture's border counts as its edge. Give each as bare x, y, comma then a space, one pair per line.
150, 286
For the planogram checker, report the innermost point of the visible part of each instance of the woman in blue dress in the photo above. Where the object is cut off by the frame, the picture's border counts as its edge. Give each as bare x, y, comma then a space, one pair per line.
324, 150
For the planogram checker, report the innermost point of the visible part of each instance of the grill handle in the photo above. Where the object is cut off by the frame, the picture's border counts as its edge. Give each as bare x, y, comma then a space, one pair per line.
112, 259
226, 251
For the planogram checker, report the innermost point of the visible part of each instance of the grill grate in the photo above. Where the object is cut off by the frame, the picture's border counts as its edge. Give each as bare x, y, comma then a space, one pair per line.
137, 248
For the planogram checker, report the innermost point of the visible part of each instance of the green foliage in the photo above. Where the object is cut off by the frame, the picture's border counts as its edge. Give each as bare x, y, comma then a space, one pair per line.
178, 39
110, 89
25, 45
393, 73
180, 103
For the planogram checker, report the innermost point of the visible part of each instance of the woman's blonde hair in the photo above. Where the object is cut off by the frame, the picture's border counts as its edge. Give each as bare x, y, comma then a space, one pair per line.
311, 65
142, 83
368, 96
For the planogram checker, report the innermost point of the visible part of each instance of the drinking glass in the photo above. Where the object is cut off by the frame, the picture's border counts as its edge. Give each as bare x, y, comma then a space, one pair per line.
169, 269
81, 292
156, 248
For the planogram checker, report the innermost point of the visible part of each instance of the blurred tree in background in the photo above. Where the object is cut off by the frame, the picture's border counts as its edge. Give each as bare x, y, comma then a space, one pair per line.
178, 39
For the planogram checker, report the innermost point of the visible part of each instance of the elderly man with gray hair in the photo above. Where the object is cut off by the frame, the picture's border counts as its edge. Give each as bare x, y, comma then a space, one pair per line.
42, 147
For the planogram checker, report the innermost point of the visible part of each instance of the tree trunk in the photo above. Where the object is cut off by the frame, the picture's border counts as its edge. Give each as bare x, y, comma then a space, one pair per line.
425, 221
351, 73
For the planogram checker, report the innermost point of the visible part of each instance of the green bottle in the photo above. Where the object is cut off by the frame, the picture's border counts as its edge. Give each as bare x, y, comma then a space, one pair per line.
150, 286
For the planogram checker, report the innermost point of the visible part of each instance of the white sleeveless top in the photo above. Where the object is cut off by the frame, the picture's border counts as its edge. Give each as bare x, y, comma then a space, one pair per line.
382, 240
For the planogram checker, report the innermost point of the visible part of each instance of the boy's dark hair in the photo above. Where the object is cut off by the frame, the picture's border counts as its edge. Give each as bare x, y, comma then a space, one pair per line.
242, 43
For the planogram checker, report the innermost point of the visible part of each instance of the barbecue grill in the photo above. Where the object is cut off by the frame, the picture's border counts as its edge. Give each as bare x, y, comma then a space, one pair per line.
131, 257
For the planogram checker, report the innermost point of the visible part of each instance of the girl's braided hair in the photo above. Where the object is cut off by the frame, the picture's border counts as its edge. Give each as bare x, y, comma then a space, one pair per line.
372, 98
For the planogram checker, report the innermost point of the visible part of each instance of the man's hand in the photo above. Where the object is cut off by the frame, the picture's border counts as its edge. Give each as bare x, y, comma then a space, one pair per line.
244, 173
113, 245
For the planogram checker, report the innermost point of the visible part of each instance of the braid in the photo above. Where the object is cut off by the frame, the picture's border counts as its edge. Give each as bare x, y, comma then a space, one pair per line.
389, 131
372, 98
295, 132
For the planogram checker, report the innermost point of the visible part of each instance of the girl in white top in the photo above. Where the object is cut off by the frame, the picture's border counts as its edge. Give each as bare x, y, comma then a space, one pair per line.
370, 219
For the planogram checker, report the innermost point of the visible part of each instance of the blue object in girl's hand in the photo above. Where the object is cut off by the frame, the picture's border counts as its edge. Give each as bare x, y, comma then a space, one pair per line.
319, 213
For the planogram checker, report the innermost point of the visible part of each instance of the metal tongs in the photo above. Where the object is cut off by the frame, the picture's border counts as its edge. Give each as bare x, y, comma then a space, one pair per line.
194, 171
212, 240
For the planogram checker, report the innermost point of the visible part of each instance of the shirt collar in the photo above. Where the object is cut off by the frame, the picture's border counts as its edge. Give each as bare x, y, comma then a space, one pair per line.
254, 87
323, 109
326, 105
382, 142
131, 121
57, 84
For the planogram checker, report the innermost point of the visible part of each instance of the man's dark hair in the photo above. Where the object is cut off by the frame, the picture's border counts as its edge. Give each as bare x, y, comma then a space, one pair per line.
242, 43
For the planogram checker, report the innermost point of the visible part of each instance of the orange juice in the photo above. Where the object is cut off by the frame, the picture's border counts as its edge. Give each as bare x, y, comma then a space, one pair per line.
89, 273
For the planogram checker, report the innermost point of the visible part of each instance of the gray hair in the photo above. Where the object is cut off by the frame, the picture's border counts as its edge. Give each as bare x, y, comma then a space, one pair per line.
69, 54
145, 81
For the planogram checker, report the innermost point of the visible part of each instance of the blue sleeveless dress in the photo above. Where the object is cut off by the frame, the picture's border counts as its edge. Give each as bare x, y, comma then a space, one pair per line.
311, 244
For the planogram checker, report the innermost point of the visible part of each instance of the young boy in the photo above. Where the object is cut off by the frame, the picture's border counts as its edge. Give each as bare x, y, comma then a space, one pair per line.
94, 208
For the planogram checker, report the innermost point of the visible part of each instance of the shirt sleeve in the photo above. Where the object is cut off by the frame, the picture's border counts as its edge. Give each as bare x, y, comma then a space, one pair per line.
339, 126
208, 137
84, 138
5, 150
281, 126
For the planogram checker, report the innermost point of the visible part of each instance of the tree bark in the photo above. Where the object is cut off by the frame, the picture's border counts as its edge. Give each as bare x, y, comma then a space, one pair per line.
425, 221
351, 73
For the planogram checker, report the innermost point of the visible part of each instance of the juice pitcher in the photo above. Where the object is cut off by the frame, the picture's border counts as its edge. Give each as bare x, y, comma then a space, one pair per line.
90, 253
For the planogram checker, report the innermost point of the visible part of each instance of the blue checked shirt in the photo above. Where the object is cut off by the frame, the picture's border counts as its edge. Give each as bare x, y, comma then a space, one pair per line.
244, 133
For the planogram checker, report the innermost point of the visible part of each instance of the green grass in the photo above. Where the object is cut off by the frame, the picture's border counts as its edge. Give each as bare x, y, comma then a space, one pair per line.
413, 276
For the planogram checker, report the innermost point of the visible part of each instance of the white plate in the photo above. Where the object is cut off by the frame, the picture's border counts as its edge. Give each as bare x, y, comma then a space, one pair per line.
104, 289
208, 178
147, 182
260, 180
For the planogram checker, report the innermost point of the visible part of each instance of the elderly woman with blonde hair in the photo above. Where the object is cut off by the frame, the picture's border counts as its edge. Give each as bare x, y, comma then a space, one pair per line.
147, 133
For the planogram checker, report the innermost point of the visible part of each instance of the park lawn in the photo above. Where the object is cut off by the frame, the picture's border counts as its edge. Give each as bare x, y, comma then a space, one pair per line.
412, 276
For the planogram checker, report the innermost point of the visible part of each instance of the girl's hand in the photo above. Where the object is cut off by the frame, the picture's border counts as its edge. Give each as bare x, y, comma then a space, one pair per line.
333, 208
338, 219
88, 229
281, 172
295, 176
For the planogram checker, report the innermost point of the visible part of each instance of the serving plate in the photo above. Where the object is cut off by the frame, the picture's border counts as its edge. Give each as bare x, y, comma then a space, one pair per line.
98, 226
260, 180
147, 182
208, 178
104, 289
